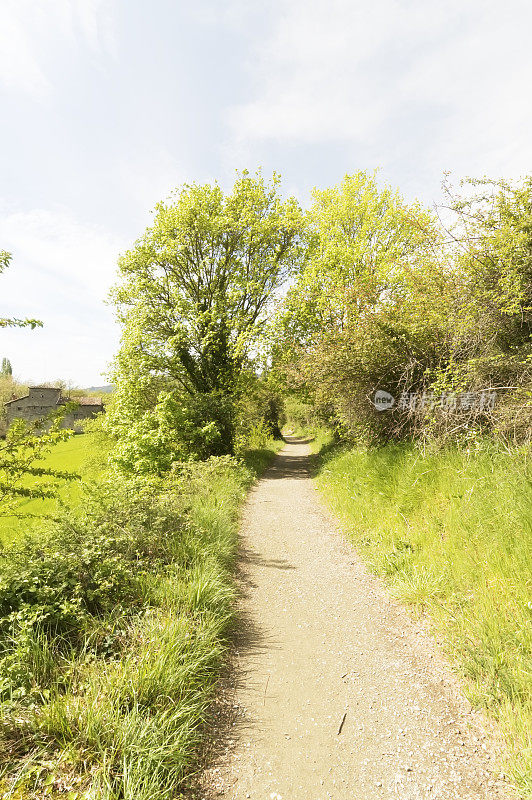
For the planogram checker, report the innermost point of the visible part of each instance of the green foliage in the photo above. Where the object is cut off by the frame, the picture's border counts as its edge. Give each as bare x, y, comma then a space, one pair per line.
193, 302
84, 566
113, 628
358, 314
112, 632
178, 428
494, 233
6, 368
24, 446
85, 455
389, 299
259, 414
363, 240
300, 416
491, 320
451, 532
196, 287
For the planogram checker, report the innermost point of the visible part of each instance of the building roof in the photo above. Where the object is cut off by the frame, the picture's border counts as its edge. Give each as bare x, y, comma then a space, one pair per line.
30, 389
14, 400
82, 401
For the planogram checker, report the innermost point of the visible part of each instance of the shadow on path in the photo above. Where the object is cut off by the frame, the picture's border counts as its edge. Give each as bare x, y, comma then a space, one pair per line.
227, 722
286, 465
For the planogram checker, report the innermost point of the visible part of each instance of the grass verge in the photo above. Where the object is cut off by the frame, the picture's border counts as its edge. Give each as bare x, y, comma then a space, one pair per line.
452, 534
112, 633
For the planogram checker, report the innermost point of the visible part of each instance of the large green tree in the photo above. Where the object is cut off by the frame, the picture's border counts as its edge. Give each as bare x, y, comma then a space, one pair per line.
368, 307
194, 298
364, 242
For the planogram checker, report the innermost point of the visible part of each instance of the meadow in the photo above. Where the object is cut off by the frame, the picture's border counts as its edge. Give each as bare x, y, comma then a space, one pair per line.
451, 533
84, 454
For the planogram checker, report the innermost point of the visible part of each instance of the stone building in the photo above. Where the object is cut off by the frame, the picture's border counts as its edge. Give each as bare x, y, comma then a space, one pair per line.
42, 400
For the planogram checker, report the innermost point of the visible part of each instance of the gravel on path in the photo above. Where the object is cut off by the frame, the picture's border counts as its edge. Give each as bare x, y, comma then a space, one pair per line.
336, 691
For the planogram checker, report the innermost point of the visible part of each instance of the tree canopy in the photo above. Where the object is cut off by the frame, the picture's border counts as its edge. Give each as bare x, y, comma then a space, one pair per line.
196, 287
392, 299
377, 294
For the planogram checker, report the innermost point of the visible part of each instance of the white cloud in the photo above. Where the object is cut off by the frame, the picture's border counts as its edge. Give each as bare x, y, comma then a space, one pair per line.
312, 75
351, 72
19, 67
32, 35
237, 15
95, 21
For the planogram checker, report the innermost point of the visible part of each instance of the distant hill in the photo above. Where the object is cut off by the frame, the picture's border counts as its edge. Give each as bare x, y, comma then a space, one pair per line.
102, 389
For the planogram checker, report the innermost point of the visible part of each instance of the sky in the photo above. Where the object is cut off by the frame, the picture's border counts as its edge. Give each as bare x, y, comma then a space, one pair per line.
108, 105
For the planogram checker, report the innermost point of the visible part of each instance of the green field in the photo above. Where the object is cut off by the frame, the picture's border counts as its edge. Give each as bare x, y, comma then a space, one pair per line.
83, 454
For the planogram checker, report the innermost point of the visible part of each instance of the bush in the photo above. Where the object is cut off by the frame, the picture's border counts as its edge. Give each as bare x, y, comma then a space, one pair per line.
178, 428
82, 569
259, 414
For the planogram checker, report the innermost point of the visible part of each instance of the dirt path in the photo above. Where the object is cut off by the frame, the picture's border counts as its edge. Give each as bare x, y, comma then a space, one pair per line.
338, 692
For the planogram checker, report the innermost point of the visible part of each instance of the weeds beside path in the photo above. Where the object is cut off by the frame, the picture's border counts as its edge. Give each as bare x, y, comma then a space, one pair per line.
450, 532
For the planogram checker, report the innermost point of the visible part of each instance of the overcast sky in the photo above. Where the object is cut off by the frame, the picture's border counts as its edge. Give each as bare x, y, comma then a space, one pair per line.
106, 105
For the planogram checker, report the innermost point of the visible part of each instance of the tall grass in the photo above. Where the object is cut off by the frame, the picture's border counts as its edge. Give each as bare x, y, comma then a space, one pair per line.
452, 533
116, 704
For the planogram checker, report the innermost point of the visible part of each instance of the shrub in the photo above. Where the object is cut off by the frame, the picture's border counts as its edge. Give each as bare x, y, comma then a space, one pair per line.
82, 568
178, 428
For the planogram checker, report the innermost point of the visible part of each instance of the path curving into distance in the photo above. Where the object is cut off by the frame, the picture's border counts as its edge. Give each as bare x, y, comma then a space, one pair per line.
336, 691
